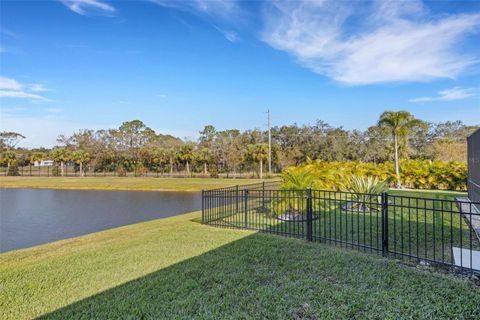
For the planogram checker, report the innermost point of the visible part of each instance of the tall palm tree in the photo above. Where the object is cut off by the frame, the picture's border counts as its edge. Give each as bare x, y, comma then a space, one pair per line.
204, 156
172, 156
258, 153
61, 155
80, 157
185, 155
400, 124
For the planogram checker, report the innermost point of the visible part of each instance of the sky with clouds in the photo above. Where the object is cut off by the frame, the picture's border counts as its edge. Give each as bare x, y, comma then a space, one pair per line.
179, 65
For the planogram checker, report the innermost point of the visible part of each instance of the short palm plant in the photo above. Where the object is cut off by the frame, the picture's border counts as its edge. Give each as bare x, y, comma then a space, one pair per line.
366, 192
293, 193
297, 179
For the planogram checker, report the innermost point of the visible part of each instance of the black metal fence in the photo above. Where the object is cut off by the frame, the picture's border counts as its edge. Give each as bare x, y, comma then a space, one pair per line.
90, 171
422, 230
474, 167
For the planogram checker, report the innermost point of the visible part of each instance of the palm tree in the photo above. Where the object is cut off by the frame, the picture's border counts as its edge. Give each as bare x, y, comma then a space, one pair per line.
258, 153
160, 157
185, 155
297, 179
37, 157
400, 123
204, 156
80, 157
9, 158
61, 155
172, 155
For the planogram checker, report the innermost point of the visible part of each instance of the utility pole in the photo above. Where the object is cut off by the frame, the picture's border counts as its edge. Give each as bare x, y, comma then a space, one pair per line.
269, 146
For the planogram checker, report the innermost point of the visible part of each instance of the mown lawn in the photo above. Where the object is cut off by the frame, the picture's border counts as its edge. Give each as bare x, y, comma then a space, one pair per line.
423, 224
121, 183
176, 268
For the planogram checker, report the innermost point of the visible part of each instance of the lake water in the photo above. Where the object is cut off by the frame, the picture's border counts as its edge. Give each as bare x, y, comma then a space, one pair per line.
29, 217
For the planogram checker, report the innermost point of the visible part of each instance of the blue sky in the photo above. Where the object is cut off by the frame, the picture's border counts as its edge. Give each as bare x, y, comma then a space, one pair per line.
179, 65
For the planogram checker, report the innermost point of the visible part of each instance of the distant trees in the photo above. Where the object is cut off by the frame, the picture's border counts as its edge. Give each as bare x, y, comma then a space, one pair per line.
134, 147
8, 140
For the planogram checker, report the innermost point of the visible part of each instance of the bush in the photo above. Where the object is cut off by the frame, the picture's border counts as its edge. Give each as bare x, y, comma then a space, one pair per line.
418, 174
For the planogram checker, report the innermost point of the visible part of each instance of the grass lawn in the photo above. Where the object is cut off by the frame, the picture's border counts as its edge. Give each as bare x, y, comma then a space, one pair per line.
176, 268
121, 183
427, 229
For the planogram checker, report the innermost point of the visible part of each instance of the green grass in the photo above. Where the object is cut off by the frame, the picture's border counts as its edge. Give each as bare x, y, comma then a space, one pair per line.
121, 183
176, 268
440, 225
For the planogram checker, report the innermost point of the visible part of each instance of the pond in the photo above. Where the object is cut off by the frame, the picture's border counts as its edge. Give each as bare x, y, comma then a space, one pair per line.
29, 217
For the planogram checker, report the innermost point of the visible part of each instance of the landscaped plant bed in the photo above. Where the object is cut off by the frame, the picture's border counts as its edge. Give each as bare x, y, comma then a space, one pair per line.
291, 216
357, 206
295, 217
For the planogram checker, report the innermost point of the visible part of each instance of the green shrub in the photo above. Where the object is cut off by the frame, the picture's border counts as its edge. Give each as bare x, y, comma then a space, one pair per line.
418, 174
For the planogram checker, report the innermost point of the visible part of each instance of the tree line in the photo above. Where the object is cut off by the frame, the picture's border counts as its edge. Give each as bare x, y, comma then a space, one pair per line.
134, 147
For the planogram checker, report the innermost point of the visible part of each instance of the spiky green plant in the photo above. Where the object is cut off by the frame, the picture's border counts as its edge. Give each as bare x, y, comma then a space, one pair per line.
366, 191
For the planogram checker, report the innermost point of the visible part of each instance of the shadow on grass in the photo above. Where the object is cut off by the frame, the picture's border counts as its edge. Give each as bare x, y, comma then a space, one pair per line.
264, 276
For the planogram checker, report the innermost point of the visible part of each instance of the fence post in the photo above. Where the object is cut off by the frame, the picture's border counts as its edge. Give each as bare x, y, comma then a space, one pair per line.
245, 198
203, 206
309, 215
384, 223
263, 197
236, 199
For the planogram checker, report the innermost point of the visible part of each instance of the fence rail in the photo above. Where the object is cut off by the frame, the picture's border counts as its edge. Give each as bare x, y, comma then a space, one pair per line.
422, 230
89, 171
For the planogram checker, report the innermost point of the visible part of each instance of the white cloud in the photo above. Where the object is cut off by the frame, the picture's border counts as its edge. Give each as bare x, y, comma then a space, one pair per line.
455, 93
221, 8
230, 35
225, 10
87, 7
21, 95
37, 87
384, 41
9, 84
11, 88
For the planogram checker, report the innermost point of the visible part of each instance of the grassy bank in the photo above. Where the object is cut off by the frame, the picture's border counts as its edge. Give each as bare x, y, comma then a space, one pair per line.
178, 268
121, 183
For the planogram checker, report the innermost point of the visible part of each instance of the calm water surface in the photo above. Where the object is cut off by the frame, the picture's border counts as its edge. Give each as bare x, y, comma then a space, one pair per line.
29, 217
